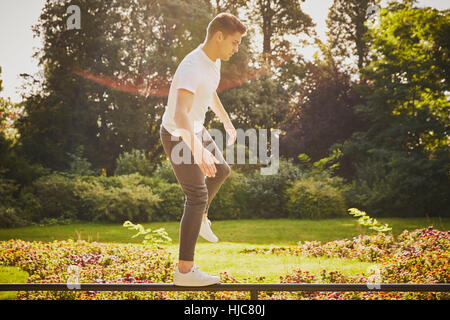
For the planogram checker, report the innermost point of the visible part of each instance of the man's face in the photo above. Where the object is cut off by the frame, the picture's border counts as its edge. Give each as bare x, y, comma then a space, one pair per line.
229, 45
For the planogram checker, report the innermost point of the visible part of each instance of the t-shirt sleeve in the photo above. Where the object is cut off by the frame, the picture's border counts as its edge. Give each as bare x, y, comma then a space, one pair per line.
188, 78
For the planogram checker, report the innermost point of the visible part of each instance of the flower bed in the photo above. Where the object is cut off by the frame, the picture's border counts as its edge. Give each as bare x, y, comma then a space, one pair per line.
369, 248
419, 256
97, 262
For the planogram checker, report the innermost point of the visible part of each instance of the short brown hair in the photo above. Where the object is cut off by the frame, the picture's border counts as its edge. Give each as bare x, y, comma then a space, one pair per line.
225, 22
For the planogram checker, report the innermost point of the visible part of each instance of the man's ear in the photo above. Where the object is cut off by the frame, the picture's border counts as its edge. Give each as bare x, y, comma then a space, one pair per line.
220, 36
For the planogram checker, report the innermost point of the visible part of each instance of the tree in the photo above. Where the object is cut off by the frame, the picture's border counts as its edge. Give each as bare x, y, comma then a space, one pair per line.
277, 20
409, 78
322, 108
13, 167
347, 31
4, 125
401, 161
260, 103
89, 96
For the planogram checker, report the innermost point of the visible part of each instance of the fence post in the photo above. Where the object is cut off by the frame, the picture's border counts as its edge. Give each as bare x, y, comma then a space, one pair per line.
254, 295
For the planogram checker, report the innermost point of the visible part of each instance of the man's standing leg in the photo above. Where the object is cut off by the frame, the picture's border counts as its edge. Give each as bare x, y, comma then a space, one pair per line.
192, 182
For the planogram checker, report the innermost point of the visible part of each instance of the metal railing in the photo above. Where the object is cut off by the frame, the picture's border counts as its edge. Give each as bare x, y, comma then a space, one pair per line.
253, 288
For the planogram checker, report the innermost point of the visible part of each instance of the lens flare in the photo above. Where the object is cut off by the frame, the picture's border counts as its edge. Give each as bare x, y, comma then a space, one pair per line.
160, 88
138, 86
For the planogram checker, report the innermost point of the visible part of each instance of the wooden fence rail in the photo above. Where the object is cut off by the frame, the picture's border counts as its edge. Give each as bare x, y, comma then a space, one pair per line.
253, 288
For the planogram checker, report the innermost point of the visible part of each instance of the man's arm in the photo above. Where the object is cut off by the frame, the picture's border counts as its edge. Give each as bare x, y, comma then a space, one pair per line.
182, 107
202, 157
219, 110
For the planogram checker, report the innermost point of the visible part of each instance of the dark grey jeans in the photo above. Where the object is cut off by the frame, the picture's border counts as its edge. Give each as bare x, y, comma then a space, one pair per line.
199, 190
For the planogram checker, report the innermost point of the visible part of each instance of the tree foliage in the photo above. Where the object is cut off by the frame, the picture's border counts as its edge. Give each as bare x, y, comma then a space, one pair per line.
347, 31
276, 21
321, 109
401, 161
122, 45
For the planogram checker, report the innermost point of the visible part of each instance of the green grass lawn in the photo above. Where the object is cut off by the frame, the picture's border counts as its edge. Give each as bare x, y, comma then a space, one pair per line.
226, 257
234, 235
11, 275
269, 231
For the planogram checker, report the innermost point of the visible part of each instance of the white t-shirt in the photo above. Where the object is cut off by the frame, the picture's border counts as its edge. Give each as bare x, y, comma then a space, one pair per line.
200, 75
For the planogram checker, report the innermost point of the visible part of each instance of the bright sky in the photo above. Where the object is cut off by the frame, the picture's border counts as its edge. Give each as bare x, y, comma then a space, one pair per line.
18, 44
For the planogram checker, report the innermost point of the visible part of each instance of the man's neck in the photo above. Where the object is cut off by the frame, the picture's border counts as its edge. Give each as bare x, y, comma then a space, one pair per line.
210, 52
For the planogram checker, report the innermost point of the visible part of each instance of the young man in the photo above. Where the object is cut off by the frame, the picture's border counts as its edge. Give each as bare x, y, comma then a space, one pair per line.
192, 90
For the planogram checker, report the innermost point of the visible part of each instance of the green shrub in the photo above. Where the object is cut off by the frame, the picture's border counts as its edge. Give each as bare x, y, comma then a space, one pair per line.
122, 198
170, 208
165, 171
65, 197
134, 162
45, 222
11, 218
265, 194
56, 197
401, 184
8, 188
229, 202
78, 164
10, 215
310, 198
29, 204
243, 168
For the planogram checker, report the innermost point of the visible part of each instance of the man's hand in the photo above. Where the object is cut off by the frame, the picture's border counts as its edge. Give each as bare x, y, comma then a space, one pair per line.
205, 160
218, 109
229, 128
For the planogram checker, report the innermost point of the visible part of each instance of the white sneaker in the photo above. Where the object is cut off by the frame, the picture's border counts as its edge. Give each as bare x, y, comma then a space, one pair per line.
206, 232
195, 278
